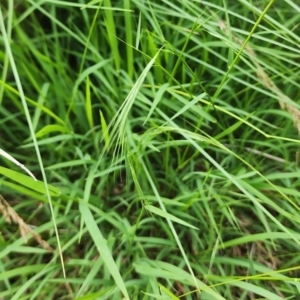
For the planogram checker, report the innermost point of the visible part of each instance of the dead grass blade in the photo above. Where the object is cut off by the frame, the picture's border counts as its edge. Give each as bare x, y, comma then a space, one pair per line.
11, 216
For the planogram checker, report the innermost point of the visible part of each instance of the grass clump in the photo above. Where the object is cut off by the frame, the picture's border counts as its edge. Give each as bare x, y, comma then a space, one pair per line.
164, 139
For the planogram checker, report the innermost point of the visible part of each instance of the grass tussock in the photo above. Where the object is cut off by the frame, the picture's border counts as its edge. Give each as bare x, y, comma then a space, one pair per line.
164, 137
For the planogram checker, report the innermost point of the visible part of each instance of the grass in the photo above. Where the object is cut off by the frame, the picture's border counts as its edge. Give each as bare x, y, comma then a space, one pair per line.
164, 136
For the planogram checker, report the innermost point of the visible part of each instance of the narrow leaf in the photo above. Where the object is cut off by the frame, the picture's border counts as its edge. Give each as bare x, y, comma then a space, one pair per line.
88, 103
25, 180
104, 130
102, 247
51, 128
166, 215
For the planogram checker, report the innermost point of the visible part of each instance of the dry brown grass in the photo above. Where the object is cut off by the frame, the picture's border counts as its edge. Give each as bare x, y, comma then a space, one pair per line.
10, 216
284, 101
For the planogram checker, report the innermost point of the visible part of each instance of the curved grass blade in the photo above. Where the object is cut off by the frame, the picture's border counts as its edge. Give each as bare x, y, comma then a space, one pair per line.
9, 157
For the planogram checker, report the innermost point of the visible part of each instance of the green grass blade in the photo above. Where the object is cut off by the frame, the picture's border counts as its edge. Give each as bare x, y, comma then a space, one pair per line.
102, 247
